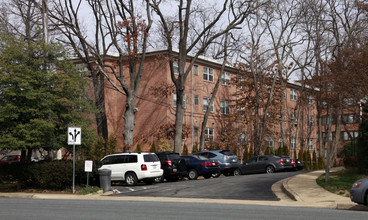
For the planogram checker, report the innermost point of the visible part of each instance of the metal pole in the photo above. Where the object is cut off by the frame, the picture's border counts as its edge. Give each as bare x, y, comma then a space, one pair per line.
73, 168
191, 109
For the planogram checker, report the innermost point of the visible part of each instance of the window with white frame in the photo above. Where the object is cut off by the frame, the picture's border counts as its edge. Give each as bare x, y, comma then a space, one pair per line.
208, 74
225, 109
196, 100
225, 78
209, 134
349, 101
292, 143
310, 144
243, 137
293, 94
349, 119
206, 102
310, 99
175, 99
280, 142
292, 116
195, 131
353, 135
310, 120
176, 67
195, 67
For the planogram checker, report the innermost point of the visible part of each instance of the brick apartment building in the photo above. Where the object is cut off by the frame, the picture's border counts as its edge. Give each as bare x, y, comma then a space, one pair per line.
156, 108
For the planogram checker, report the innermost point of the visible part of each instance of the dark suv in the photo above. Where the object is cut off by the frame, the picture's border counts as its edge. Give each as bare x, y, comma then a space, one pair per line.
174, 167
228, 161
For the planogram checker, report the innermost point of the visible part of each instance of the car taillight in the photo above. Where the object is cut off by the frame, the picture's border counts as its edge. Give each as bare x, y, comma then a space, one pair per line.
282, 161
293, 162
168, 162
217, 163
357, 184
209, 164
143, 167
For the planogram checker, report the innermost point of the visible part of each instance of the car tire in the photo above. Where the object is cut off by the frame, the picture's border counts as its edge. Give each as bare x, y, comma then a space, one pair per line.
192, 174
227, 173
236, 172
131, 179
216, 175
270, 169
366, 198
207, 176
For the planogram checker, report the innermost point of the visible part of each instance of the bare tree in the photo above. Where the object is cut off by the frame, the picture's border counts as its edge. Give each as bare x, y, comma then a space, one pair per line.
220, 19
118, 27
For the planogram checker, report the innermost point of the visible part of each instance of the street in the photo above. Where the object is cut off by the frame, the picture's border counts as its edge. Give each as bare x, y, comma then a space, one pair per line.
245, 187
101, 209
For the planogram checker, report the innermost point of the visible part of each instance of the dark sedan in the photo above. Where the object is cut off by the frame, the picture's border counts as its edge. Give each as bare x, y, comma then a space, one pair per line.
200, 166
266, 163
359, 192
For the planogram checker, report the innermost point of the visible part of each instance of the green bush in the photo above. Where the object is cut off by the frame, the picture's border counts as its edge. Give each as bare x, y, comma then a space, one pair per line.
52, 175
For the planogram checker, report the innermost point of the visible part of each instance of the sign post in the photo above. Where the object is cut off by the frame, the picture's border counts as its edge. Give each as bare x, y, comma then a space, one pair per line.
74, 138
88, 168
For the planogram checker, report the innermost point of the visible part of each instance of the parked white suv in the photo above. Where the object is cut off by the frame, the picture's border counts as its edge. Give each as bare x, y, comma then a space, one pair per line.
133, 167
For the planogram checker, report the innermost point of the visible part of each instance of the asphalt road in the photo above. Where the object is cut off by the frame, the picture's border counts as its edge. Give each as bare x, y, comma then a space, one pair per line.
245, 187
100, 209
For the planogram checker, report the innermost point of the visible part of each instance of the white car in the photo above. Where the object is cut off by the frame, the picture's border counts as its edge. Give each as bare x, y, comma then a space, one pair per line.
133, 167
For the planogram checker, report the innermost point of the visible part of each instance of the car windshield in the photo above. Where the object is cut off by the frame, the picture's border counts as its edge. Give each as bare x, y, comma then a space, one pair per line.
174, 156
150, 158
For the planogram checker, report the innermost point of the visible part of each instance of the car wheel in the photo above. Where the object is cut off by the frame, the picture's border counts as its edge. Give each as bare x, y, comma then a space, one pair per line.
236, 172
207, 176
366, 198
215, 175
192, 174
131, 179
270, 169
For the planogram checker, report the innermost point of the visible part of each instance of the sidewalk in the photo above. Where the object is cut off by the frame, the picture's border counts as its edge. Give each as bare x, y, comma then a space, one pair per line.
303, 189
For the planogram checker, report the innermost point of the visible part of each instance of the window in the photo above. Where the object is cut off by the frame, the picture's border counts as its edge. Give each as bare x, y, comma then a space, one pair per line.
293, 143
196, 131
208, 134
225, 78
175, 100
292, 116
225, 109
347, 137
349, 119
310, 99
310, 144
196, 100
349, 101
280, 142
324, 104
195, 66
243, 137
293, 94
310, 120
206, 101
176, 67
208, 74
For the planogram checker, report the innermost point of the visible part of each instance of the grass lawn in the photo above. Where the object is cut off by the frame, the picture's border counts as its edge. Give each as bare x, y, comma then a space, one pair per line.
340, 182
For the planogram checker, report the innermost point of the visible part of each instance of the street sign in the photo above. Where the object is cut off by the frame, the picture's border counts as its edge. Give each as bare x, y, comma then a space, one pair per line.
88, 166
74, 136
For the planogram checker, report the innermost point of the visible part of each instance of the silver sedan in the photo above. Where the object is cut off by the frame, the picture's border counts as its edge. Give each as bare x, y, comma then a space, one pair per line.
359, 192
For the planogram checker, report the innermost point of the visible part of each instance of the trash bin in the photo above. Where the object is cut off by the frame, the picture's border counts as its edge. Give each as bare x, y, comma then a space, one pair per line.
105, 179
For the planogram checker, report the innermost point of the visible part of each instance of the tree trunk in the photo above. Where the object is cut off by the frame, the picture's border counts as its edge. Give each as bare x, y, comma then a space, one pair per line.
179, 121
129, 118
99, 93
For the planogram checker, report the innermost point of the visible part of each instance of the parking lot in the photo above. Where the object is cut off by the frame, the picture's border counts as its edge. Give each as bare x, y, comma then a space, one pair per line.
244, 187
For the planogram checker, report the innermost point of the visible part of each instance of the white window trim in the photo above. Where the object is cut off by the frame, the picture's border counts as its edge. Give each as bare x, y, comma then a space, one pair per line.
208, 74
207, 100
225, 109
225, 78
